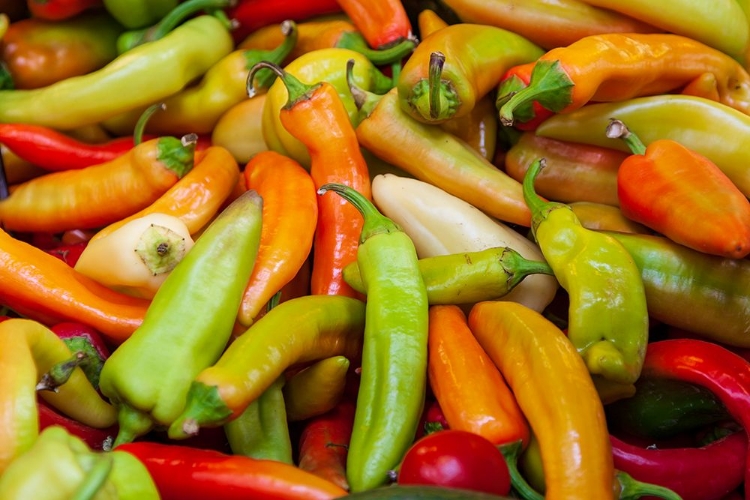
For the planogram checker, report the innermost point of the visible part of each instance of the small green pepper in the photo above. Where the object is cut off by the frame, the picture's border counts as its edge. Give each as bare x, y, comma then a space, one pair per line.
394, 353
134, 14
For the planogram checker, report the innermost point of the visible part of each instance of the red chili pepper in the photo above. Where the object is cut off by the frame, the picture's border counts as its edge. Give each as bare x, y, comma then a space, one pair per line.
68, 253
704, 363
97, 439
526, 117
705, 473
80, 337
250, 15
433, 420
382, 23
182, 472
55, 10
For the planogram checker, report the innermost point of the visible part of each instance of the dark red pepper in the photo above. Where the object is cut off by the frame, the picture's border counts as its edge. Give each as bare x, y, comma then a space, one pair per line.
97, 439
83, 338
433, 420
68, 253
250, 15
55, 10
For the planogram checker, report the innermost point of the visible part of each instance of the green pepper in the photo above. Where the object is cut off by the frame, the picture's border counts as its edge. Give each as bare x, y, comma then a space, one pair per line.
187, 325
663, 408
142, 76
134, 14
61, 466
394, 353
608, 319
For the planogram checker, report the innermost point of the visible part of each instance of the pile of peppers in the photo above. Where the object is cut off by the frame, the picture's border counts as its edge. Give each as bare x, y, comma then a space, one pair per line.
262, 248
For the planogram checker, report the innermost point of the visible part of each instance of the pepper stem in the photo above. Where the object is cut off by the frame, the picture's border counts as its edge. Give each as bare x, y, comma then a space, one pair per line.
549, 85
533, 200
617, 130
518, 267
61, 372
160, 249
204, 408
437, 62
132, 423
364, 100
294, 87
511, 452
354, 40
140, 125
631, 489
6, 79
95, 478
264, 79
374, 222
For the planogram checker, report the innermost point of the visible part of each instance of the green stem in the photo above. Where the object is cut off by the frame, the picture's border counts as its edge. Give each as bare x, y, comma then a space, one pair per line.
61, 372
132, 423
140, 125
511, 452
353, 40
631, 489
549, 85
374, 221
264, 79
364, 100
617, 130
95, 478
204, 408
437, 62
6, 79
533, 200
295, 88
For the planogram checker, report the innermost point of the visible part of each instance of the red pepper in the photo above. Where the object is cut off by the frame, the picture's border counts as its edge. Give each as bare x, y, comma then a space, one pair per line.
433, 420
516, 78
68, 253
705, 473
250, 15
97, 439
83, 338
182, 472
55, 10
704, 363
383, 23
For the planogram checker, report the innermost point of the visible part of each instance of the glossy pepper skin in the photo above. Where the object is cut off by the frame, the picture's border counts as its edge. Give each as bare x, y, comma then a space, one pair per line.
659, 185
139, 13
125, 83
616, 67
316, 389
608, 318
57, 10
456, 66
190, 317
250, 15
39, 52
394, 353
382, 24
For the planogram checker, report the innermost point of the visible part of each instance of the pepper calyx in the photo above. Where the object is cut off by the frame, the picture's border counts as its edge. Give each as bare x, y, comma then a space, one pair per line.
434, 99
205, 407
177, 155
160, 249
549, 85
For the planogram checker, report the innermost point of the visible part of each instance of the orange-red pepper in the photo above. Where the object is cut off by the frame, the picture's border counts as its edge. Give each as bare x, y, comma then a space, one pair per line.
290, 216
382, 23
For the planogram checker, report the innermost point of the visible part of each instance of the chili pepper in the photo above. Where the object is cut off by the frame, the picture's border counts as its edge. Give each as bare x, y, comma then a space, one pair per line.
29, 350
433, 420
96, 439
605, 218
469, 277
39, 52
240, 129
706, 86
61, 466
383, 24
700, 293
118, 188
705, 473
16, 170
607, 311
456, 66
261, 431
82, 338
656, 186
441, 224
324, 441
137, 257
139, 13
685, 119
559, 400
575, 172
197, 197
303, 329
616, 66
316, 389
334, 157
663, 408
181, 56
250, 15
394, 354
470, 389
526, 116
290, 216
44, 288
329, 65
190, 317
709, 365
429, 21
183, 472
68, 253
58, 10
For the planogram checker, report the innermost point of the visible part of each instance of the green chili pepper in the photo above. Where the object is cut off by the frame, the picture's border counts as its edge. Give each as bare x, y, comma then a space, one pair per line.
663, 408
262, 431
608, 319
703, 294
187, 325
467, 278
142, 76
134, 14
394, 353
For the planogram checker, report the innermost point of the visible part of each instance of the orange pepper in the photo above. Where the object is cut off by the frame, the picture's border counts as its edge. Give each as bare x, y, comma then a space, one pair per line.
471, 391
428, 22
605, 218
290, 216
382, 23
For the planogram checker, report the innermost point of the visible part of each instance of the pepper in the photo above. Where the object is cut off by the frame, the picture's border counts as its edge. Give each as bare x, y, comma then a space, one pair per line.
240, 129
42, 287
290, 217
316, 389
250, 15
61, 466
429, 21
617, 66
191, 317
68, 253
564, 22
527, 116
555, 392
57, 10
441, 224
469, 277
129, 81
335, 156
704, 294
605, 218
383, 24
38, 52
29, 350
183, 472
454, 67
299, 330
96, 439
394, 354
118, 188
608, 318
139, 13
137, 257
479, 129
470, 389
657, 187
82, 338
681, 118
